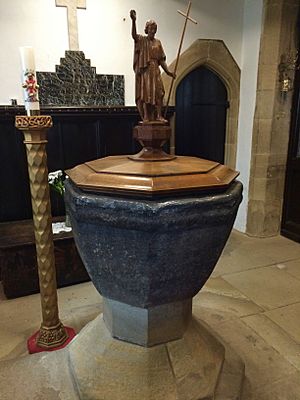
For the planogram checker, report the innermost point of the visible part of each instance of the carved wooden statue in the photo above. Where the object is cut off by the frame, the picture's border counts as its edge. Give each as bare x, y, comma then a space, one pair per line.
148, 57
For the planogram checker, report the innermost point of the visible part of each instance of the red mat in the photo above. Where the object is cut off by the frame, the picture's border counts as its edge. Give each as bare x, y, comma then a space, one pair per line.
34, 348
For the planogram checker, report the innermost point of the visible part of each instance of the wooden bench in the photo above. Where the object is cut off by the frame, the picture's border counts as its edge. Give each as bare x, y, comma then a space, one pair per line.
18, 265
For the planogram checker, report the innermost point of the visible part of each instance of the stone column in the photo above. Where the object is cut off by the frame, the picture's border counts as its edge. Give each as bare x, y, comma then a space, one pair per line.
271, 120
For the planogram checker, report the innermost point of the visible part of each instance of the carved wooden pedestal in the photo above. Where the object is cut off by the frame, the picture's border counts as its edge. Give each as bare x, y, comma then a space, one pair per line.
52, 334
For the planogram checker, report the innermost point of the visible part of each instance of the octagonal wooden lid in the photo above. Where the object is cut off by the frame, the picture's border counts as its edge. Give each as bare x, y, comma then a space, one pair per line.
119, 174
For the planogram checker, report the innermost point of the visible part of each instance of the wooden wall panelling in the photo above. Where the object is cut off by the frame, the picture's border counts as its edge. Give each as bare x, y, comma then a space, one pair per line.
78, 135
19, 264
15, 202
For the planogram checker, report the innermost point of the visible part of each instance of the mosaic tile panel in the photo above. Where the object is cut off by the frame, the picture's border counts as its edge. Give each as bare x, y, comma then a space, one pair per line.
76, 83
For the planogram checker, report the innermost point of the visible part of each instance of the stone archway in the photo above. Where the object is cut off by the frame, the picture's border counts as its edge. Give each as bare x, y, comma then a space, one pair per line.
213, 54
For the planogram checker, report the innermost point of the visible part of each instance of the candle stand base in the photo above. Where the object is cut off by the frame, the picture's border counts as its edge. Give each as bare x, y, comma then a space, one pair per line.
34, 346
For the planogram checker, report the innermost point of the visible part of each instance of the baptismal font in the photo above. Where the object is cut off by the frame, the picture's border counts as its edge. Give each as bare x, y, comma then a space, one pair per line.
150, 229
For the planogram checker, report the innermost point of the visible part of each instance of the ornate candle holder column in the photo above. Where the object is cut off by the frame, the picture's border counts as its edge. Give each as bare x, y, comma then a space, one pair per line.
52, 334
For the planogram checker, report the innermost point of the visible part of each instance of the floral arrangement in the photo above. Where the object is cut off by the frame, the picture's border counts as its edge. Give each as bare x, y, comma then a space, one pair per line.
56, 181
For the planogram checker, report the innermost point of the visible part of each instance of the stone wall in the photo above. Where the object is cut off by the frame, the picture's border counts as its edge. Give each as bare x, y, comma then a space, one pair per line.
271, 120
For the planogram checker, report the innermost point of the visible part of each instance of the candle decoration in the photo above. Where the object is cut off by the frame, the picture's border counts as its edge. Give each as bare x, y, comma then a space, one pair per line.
29, 82
52, 334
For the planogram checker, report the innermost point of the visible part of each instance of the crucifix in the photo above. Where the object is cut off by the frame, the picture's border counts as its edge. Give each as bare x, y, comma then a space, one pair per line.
187, 17
72, 6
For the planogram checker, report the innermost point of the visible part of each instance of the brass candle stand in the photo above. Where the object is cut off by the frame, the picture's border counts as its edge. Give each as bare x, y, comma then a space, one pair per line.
52, 333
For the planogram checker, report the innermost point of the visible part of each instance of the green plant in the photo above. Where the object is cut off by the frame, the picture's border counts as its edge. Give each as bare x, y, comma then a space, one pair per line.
56, 181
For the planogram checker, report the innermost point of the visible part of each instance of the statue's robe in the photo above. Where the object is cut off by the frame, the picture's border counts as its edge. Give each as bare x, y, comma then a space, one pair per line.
148, 55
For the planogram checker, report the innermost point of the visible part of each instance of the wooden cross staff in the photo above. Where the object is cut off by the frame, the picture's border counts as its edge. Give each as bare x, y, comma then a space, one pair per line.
187, 18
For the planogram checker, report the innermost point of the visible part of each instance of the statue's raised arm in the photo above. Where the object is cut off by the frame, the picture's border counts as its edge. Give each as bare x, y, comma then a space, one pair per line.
133, 27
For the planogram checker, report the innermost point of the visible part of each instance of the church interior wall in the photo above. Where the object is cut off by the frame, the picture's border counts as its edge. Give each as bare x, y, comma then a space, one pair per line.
104, 34
104, 37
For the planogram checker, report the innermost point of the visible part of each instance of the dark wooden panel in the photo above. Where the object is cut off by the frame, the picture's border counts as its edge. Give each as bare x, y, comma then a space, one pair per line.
201, 107
78, 135
294, 206
116, 136
290, 226
18, 262
79, 140
15, 202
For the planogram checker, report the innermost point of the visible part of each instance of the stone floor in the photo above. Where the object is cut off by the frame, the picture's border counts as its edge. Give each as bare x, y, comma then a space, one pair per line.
252, 301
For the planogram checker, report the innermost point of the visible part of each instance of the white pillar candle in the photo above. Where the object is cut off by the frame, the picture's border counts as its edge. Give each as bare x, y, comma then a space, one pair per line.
29, 82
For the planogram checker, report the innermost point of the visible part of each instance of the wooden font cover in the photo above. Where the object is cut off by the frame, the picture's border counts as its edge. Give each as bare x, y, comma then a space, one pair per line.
122, 175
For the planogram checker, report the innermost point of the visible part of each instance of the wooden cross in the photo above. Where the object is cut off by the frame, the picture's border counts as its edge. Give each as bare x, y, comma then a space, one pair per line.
187, 18
72, 6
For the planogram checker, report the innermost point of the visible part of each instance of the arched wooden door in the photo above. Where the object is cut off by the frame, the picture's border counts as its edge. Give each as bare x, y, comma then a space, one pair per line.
201, 107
